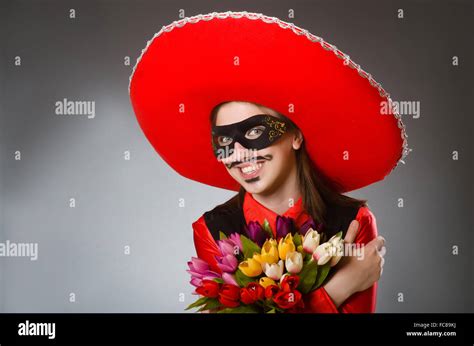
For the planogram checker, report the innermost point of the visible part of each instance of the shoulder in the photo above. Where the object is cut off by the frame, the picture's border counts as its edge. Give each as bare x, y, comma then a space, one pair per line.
338, 217
365, 215
221, 210
227, 218
199, 225
225, 209
367, 225
201, 234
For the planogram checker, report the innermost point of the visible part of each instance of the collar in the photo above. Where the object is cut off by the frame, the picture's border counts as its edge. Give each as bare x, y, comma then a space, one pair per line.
254, 211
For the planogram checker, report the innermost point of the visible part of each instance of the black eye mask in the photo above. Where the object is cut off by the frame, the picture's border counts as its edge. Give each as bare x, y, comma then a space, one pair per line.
270, 129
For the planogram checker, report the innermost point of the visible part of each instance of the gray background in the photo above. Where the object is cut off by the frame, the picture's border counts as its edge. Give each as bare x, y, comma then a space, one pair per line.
136, 202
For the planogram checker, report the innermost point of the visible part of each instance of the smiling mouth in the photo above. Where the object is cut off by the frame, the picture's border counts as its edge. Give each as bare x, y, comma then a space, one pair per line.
250, 171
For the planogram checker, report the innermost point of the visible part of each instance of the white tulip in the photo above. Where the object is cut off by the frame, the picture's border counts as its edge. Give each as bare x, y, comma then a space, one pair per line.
283, 277
338, 253
322, 254
335, 240
275, 270
294, 262
311, 240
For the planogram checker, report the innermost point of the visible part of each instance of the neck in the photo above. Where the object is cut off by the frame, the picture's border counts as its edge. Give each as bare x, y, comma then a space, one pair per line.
283, 197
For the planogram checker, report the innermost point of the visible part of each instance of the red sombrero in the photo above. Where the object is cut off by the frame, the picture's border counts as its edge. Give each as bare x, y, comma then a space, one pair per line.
193, 64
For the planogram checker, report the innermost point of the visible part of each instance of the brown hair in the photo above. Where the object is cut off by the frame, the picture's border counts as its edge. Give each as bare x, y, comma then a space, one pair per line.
318, 192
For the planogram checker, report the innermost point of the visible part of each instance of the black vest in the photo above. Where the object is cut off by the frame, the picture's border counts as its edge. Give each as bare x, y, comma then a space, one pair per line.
229, 218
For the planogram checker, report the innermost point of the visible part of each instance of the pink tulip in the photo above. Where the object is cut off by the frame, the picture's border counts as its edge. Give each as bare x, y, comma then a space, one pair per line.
229, 279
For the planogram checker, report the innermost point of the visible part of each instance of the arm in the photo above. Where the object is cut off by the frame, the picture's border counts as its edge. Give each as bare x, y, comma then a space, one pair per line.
331, 298
206, 247
364, 301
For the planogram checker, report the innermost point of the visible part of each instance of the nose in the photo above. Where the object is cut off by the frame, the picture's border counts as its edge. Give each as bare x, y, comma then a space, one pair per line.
238, 146
240, 153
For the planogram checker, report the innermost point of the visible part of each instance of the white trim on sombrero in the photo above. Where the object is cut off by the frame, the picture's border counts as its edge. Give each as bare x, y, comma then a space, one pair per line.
299, 31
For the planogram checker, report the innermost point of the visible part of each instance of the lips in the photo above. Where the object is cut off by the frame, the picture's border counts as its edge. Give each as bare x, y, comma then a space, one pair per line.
250, 170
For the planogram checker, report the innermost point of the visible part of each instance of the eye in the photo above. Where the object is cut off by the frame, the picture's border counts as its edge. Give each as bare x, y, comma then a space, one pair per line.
255, 132
223, 140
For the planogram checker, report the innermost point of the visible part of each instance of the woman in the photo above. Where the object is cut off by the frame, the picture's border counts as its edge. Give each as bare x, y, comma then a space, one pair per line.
294, 124
278, 175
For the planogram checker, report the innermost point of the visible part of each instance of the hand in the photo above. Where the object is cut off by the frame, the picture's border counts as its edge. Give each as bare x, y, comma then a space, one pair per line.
366, 268
356, 273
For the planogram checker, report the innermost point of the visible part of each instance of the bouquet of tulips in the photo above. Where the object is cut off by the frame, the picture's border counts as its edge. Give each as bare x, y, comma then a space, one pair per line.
263, 273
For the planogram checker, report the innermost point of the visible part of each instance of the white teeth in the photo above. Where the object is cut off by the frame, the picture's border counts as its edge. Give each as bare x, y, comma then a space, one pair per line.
251, 169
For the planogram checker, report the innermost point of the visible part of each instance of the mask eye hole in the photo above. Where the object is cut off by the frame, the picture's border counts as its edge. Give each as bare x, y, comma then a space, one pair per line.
224, 140
255, 132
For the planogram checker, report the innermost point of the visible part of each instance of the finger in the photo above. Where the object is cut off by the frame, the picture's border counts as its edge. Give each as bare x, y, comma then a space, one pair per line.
383, 251
378, 242
352, 232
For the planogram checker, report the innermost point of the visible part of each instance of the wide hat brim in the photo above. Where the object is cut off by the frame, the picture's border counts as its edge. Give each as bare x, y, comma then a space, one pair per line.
194, 64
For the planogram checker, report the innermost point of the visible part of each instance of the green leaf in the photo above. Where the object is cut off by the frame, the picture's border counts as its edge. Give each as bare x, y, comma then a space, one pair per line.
211, 304
272, 311
308, 276
219, 280
242, 309
323, 272
242, 279
267, 229
199, 302
222, 236
277, 309
249, 247
297, 240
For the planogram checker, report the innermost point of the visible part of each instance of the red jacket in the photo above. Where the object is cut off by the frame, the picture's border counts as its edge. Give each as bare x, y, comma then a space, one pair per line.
318, 301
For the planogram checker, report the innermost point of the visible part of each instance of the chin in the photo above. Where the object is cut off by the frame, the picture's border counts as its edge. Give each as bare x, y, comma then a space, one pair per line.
251, 188
256, 187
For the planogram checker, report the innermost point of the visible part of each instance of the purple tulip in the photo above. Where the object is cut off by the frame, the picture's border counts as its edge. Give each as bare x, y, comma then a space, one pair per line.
255, 232
229, 279
227, 263
284, 225
307, 225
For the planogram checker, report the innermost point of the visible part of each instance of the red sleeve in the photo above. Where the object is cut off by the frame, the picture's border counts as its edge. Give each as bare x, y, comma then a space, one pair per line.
206, 247
361, 302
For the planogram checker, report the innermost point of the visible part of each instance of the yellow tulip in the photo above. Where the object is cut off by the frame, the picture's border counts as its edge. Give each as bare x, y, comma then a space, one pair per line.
285, 246
265, 281
258, 258
251, 267
269, 252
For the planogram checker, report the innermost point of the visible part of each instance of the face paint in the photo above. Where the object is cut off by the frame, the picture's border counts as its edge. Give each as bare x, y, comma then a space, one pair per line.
257, 132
